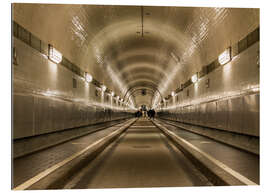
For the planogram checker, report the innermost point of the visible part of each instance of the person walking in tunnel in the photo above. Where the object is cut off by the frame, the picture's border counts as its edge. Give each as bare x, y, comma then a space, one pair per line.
149, 113
153, 113
138, 114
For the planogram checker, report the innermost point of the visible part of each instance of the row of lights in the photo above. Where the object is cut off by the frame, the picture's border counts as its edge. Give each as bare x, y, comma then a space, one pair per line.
89, 79
56, 56
223, 58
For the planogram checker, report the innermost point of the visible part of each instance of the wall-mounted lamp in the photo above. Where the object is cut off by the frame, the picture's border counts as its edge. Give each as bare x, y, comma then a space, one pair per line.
173, 93
194, 78
112, 93
54, 55
225, 57
103, 88
88, 77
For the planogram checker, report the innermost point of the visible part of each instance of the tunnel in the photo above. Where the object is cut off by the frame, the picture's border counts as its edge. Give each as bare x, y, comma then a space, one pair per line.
118, 96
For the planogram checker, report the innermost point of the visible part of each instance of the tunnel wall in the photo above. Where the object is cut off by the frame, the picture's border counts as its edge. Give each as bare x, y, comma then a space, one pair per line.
45, 99
230, 103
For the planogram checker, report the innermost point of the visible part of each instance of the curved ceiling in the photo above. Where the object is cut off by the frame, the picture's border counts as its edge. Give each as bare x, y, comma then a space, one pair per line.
110, 43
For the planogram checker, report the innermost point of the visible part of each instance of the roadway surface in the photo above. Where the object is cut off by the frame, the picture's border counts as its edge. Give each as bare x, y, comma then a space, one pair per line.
141, 157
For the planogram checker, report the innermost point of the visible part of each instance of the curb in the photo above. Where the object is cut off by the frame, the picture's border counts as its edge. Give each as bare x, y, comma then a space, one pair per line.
57, 175
217, 173
235, 139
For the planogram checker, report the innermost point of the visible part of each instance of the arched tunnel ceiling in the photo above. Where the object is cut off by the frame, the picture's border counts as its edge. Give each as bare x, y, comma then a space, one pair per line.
107, 41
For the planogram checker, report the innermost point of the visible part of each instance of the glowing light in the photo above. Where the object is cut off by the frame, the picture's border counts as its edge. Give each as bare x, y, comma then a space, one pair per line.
50, 93
54, 55
256, 89
112, 93
173, 93
88, 77
194, 78
225, 57
103, 88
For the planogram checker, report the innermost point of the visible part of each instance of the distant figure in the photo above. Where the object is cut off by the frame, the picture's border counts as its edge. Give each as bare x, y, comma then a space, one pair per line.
149, 113
144, 113
153, 113
138, 114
